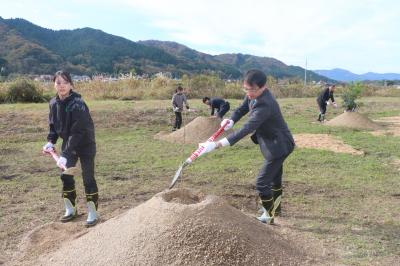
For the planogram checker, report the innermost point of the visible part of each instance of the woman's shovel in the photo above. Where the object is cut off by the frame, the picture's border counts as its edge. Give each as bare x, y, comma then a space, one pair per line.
66, 171
195, 154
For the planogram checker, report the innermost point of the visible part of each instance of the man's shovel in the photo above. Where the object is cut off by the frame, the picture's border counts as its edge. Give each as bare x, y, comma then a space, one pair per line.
195, 154
66, 171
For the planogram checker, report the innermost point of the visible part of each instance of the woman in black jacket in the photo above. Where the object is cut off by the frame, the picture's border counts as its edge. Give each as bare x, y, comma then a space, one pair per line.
69, 119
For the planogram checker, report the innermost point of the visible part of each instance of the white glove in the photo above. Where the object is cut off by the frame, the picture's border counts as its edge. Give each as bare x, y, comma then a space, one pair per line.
229, 125
328, 103
224, 142
176, 109
62, 162
48, 147
209, 146
334, 104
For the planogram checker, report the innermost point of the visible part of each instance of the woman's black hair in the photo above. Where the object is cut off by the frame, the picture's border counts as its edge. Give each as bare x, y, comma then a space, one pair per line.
65, 76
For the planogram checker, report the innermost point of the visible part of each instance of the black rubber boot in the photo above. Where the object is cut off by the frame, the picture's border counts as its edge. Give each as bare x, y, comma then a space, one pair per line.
276, 193
268, 206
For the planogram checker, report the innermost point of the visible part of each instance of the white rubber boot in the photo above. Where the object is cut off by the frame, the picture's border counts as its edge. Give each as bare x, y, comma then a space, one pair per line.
70, 211
265, 217
92, 214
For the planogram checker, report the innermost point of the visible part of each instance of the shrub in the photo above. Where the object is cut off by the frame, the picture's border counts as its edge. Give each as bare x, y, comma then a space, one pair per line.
25, 91
350, 94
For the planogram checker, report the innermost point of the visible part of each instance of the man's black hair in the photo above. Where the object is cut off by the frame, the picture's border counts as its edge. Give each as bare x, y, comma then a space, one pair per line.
205, 99
255, 77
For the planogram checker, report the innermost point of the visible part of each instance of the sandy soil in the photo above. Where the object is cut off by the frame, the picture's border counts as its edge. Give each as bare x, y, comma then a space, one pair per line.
324, 142
176, 227
353, 120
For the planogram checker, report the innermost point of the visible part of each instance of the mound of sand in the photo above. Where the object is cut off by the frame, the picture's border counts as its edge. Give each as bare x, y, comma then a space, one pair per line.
198, 130
324, 142
179, 227
47, 238
353, 120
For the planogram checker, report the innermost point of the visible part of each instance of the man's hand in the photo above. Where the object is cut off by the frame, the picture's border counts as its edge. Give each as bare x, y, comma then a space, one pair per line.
209, 146
229, 125
48, 147
62, 162
334, 104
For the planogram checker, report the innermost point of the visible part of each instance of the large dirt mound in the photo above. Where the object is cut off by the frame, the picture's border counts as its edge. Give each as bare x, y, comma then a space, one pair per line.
353, 120
179, 227
198, 130
324, 142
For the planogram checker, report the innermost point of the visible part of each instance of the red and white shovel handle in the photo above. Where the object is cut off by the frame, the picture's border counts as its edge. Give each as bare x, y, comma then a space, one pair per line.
212, 138
56, 157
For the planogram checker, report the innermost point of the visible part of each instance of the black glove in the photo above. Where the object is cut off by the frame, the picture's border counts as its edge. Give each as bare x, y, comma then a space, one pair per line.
187, 107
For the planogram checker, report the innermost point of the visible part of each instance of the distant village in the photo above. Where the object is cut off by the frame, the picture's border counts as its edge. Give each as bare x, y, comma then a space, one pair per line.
111, 78
99, 77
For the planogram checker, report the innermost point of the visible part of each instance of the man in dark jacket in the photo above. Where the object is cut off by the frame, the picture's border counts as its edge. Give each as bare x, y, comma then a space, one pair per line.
218, 104
323, 101
69, 119
270, 131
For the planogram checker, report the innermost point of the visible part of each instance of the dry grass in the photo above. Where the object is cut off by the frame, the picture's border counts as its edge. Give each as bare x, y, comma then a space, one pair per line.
195, 87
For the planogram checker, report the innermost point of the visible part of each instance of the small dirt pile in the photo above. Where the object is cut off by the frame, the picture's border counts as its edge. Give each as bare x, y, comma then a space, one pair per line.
353, 120
324, 142
47, 238
198, 130
179, 227
390, 126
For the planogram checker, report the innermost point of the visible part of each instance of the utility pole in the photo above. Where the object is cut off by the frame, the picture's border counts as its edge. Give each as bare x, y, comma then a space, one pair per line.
305, 75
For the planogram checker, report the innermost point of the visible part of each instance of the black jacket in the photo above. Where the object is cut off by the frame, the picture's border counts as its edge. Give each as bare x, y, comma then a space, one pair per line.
324, 96
70, 119
266, 121
216, 103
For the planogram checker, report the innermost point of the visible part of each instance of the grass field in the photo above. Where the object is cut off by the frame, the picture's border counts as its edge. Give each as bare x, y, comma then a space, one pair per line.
345, 205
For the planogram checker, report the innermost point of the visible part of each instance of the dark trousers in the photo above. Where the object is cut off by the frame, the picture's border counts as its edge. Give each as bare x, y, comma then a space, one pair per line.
223, 110
270, 176
322, 111
87, 164
178, 120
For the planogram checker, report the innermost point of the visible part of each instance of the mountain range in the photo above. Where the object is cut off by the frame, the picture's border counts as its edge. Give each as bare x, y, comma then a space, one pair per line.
347, 76
26, 48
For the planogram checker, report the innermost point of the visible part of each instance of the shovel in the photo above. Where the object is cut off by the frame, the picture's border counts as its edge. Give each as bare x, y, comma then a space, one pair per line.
195, 154
66, 171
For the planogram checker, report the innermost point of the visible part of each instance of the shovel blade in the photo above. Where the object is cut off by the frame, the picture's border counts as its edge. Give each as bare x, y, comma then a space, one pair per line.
177, 174
71, 171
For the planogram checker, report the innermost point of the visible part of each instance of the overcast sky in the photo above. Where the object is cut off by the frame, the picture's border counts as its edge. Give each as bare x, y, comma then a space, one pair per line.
357, 35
